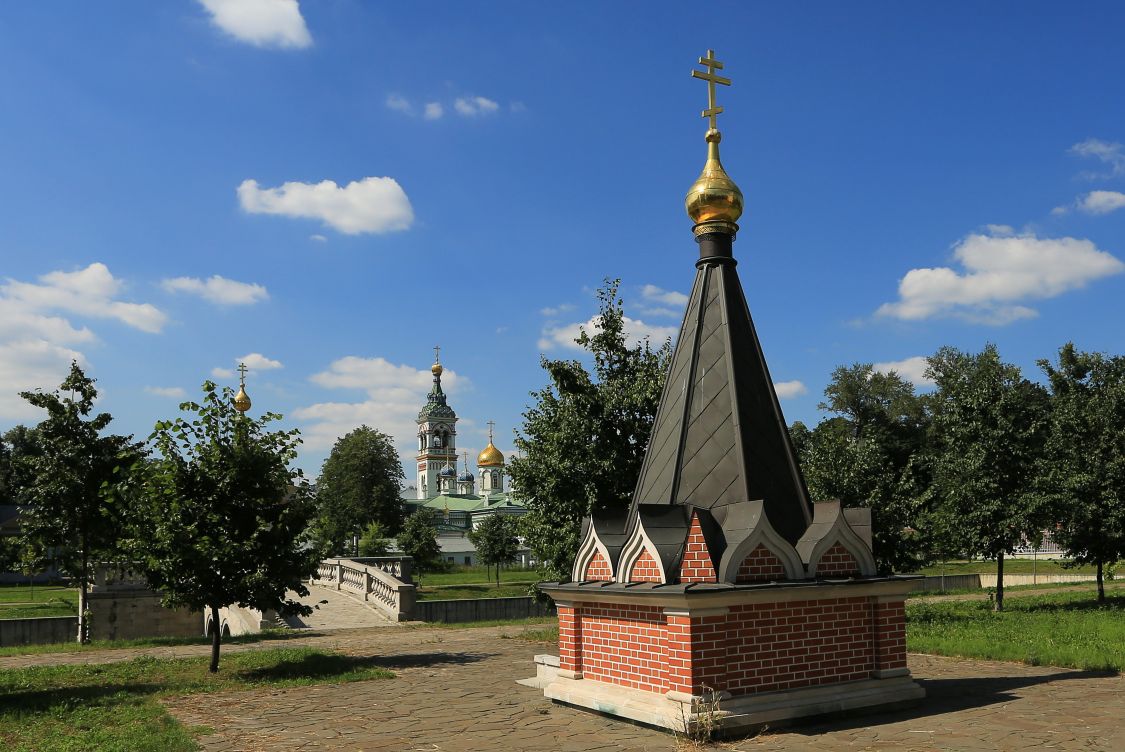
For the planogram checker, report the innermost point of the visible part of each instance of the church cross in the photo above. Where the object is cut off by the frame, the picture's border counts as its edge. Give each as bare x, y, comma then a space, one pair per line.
437, 353
491, 425
242, 373
712, 65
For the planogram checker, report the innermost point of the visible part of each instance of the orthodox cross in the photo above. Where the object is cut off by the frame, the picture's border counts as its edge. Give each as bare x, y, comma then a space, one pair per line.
465, 455
242, 374
712, 65
437, 353
491, 425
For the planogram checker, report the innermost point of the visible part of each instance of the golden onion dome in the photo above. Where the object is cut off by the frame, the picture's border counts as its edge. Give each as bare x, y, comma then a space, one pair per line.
436, 369
713, 197
242, 400
490, 456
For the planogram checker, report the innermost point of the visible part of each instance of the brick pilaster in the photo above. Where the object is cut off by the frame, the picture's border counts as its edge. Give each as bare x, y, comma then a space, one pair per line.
889, 631
570, 641
697, 651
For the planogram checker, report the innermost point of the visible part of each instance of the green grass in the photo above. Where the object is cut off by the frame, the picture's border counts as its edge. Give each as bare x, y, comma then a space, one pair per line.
1011, 566
1058, 629
449, 592
150, 642
26, 601
546, 634
116, 707
478, 575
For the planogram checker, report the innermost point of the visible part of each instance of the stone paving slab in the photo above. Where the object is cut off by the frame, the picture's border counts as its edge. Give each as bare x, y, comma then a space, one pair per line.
455, 691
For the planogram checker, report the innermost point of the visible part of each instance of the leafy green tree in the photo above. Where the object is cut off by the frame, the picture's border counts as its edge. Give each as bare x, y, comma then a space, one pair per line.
583, 441
222, 517
418, 539
359, 483
496, 541
374, 541
1084, 465
990, 425
66, 515
870, 455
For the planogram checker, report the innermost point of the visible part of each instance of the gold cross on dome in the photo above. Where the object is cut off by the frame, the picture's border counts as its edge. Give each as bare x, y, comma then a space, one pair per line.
491, 425
242, 369
712, 65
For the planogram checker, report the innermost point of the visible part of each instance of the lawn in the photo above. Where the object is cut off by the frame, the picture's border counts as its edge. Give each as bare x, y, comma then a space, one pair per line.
1011, 566
25, 601
475, 575
1060, 629
149, 642
116, 707
449, 592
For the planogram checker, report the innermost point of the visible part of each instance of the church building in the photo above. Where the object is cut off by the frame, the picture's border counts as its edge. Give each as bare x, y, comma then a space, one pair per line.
459, 500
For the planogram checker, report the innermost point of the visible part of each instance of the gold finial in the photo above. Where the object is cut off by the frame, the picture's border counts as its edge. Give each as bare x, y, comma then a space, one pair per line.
242, 399
436, 368
713, 202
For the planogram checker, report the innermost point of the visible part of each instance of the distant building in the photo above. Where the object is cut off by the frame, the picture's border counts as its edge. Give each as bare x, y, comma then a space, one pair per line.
461, 501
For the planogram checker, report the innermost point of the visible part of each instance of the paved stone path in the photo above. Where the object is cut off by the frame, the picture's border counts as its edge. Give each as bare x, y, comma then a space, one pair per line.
455, 691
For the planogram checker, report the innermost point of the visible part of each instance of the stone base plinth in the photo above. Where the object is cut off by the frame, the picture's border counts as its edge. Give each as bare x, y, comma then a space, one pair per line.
735, 715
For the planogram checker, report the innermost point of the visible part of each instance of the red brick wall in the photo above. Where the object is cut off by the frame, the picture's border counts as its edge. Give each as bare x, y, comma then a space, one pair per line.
570, 640
624, 645
836, 561
761, 564
890, 626
646, 569
598, 569
696, 565
799, 644
698, 649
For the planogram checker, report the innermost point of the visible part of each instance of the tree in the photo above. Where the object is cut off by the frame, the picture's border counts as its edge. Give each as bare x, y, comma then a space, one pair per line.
374, 541
496, 541
223, 518
61, 480
990, 425
870, 455
1083, 471
584, 438
360, 483
418, 539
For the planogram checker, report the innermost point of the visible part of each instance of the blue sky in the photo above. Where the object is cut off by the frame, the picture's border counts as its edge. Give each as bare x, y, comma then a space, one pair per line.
334, 187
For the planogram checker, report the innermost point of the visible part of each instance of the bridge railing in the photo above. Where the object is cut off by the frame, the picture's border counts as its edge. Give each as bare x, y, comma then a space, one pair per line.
374, 582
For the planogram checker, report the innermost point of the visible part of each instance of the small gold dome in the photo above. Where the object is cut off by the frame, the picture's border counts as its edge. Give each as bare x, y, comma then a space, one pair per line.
713, 197
242, 400
490, 456
436, 369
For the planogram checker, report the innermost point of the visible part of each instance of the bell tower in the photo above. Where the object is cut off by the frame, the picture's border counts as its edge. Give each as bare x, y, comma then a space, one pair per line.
437, 435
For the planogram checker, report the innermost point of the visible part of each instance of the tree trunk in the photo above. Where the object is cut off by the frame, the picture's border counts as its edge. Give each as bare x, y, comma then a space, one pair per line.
1101, 585
216, 637
999, 606
83, 604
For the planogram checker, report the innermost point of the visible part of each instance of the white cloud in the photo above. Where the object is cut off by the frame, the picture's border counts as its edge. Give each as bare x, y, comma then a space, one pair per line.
399, 104
789, 389
912, 369
659, 311
370, 205
635, 331
27, 365
218, 289
258, 362
318, 238
999, 273
394, 395
473, 106
1101, 202
1109, 153
222, 373
1000, 230
263, 23
167, 391
87, 292
556, 310
667, 297
433, 111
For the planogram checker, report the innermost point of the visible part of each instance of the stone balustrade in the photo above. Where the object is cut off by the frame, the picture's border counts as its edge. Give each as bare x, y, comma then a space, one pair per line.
375, 580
